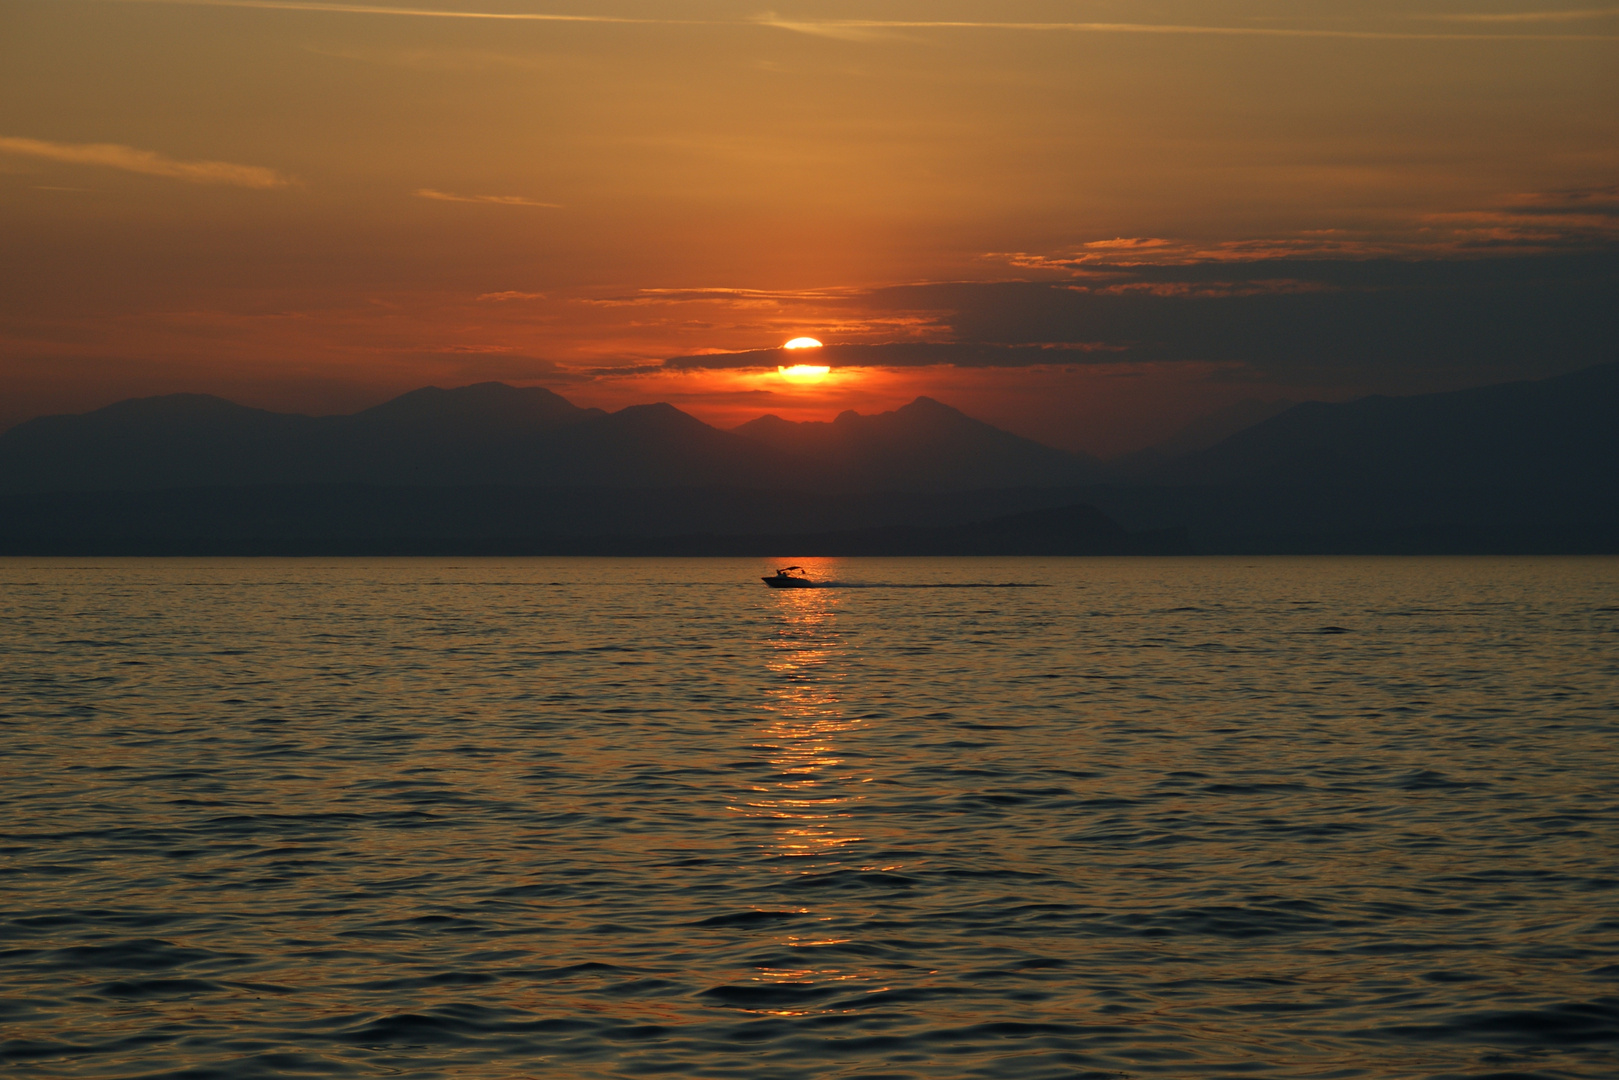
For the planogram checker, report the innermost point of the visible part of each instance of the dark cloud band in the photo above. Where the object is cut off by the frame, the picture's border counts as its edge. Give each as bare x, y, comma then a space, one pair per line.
1357, 319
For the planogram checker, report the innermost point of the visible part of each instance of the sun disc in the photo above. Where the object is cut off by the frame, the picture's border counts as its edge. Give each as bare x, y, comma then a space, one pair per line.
803, 372
802, 343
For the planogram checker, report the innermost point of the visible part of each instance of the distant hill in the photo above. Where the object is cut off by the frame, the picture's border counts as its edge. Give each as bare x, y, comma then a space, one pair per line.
1527, 467
491, 433
361, 520
924, 445
1215, 427
192, 440
1202, 432
1560, 431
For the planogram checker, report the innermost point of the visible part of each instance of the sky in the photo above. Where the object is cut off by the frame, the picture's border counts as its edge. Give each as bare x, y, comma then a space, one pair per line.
1087, 221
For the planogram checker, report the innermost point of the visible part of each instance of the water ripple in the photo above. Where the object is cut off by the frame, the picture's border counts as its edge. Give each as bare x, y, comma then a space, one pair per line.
590, 818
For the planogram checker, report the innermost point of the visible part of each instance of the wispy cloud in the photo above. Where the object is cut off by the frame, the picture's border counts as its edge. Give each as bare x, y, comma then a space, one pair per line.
511, 294
1530, 223
149, 162
421, 13
730, 297
841, 31
497, 200
868, 29
875, 29
1576, 15
1106, 256
899, 354
1591, 200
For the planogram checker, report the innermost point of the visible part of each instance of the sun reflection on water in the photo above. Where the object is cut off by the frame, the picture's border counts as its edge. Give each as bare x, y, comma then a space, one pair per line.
811, 794
814, 792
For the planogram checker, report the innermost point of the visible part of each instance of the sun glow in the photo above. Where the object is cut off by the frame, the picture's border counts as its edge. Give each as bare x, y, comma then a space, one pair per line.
803, 372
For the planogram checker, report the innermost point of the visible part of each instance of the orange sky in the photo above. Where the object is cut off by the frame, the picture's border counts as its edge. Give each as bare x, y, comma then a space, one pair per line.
314, 206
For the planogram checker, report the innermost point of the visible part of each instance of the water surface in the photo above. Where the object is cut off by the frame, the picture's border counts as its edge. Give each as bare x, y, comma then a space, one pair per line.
602, 818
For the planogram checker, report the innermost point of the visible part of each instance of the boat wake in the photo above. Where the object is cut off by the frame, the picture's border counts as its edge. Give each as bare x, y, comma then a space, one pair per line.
931, 585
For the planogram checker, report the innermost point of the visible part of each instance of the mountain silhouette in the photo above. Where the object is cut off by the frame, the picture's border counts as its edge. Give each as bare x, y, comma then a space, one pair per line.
493, 434
343, 519
180, 440
1512, 468
1559, 432
923, 445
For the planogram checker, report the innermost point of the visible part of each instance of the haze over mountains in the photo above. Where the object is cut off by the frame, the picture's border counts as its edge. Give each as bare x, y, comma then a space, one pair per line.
1530, 466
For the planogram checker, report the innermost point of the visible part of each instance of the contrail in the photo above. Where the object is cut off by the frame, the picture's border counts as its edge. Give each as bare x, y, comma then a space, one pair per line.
845, 27
865, 28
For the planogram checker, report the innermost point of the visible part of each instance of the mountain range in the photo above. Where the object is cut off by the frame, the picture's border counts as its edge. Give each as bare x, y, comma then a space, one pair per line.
1525, 466
1558, 431
491, 433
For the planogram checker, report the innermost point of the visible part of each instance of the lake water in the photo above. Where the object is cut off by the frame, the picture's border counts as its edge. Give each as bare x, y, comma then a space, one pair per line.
596, 818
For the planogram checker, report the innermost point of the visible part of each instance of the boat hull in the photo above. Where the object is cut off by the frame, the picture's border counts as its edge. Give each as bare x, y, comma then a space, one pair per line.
788, 583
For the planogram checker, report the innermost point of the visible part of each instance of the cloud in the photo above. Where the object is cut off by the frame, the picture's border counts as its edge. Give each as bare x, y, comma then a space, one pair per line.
840, 31
875, 29
1130, 243
1531, 223
1209, 289
511, 294
497, 200
1575, 15
905, 354
1602, 201
1386, 322
411, 12
149, 162
1107, 257
1360, 320
869, 29
730, 297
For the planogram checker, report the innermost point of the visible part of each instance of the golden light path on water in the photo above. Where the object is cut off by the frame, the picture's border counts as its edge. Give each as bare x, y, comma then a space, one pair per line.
813, 794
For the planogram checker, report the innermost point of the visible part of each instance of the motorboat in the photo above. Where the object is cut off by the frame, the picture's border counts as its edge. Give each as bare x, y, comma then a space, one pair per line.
789, 577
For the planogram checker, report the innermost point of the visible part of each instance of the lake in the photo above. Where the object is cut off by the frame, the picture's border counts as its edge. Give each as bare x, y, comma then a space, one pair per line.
946, 818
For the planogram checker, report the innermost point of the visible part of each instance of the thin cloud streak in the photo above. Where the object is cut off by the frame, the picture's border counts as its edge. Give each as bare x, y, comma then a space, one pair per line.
871, 28
874, 29
1578, 15
148, 162
424, 13
496, 200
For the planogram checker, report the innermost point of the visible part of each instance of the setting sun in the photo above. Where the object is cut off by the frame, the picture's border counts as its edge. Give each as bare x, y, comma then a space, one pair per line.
802, 343
803, 372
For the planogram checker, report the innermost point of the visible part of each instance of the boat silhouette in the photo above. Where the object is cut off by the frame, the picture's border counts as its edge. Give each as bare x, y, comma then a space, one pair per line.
785, 578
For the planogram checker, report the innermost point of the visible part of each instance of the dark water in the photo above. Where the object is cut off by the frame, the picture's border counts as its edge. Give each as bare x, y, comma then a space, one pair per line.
574, 818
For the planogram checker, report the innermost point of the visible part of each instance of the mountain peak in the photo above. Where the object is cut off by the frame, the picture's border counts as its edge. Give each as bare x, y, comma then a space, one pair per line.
764, 427
925, 444
660, 416
495, 433
480, 403
173, 405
